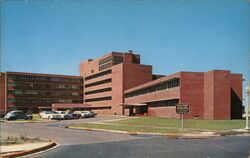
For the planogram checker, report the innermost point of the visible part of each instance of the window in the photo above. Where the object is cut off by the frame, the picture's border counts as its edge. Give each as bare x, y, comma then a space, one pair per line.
98, 75
105, 66
98, 99
168, 85
11, 84
99, 91
11, 100
98, 83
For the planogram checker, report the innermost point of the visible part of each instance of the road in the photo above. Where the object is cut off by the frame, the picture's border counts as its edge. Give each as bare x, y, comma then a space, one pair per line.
81, 144
221, 147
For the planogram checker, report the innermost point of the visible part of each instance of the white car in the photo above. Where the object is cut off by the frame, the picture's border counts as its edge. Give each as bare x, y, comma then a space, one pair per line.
62, 114
83, 114
49, 115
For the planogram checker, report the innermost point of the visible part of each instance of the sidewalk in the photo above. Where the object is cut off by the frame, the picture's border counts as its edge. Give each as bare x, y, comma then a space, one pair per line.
24, 149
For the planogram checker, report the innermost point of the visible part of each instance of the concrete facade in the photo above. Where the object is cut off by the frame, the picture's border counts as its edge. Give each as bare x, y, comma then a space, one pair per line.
117, 83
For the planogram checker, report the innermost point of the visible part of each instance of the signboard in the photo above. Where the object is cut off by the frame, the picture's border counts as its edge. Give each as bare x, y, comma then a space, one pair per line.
182, 108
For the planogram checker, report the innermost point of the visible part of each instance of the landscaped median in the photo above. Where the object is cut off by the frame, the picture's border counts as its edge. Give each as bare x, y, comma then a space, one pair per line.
19, 146
164, 126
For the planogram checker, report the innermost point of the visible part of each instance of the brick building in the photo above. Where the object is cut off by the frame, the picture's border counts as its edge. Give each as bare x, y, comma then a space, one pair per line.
117, 83
30, 91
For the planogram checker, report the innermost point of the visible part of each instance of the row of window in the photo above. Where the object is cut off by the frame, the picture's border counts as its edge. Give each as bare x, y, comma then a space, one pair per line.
98, 99
162, 86
105, 66
98, 83
111, 58
98, 91
164, 103
43, 93
98, 75
42, 100
43, 78
44, 86
105, 60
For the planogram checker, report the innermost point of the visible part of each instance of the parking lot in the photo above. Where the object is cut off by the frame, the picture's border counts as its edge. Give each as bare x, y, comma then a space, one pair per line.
55, 130
78, 143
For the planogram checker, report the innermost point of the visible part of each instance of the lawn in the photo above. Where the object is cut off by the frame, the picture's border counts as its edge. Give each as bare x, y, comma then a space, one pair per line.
164, 125
188, 123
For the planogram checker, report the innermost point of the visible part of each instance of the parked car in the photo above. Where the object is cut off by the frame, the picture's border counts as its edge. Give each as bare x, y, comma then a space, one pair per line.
63, 115
82, 114
71, 115
85, 114
18, 114
49, 115
91, 114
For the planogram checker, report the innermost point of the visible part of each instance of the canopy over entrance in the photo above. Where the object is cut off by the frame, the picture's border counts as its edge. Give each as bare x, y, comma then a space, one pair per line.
134, 109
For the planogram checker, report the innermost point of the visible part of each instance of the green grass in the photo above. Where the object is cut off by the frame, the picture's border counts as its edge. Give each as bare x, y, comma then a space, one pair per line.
36, 117
163, 125
188, 123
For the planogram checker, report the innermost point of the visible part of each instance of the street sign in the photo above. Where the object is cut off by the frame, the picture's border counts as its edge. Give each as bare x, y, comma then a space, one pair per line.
182, 108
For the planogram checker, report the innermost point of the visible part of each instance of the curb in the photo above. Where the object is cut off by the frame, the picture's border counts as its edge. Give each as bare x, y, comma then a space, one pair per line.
167, 135
26, 152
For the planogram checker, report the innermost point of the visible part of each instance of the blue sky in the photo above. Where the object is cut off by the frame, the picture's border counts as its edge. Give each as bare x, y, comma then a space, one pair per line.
177, 35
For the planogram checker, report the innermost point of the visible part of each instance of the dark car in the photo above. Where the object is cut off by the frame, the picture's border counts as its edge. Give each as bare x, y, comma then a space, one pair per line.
18, 114
71, 115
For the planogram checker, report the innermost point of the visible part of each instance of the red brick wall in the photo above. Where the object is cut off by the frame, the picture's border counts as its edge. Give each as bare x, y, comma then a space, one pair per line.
167, 112
87, 66
128, 57
135, 74
236, 84
209, 95
222, 94
192, 93
2, 91
217, 94
125, 76
117, 88
236, 96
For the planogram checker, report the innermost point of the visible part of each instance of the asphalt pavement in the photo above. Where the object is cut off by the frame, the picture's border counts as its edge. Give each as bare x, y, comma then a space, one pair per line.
90, 144
157, 147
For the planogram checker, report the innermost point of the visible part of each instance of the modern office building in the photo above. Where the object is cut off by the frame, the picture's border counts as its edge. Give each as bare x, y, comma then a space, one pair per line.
117, 83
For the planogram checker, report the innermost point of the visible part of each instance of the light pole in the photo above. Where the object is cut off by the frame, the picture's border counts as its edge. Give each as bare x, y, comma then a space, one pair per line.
247, 106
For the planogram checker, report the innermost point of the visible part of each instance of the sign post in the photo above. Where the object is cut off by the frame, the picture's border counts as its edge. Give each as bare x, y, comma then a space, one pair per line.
182, 109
